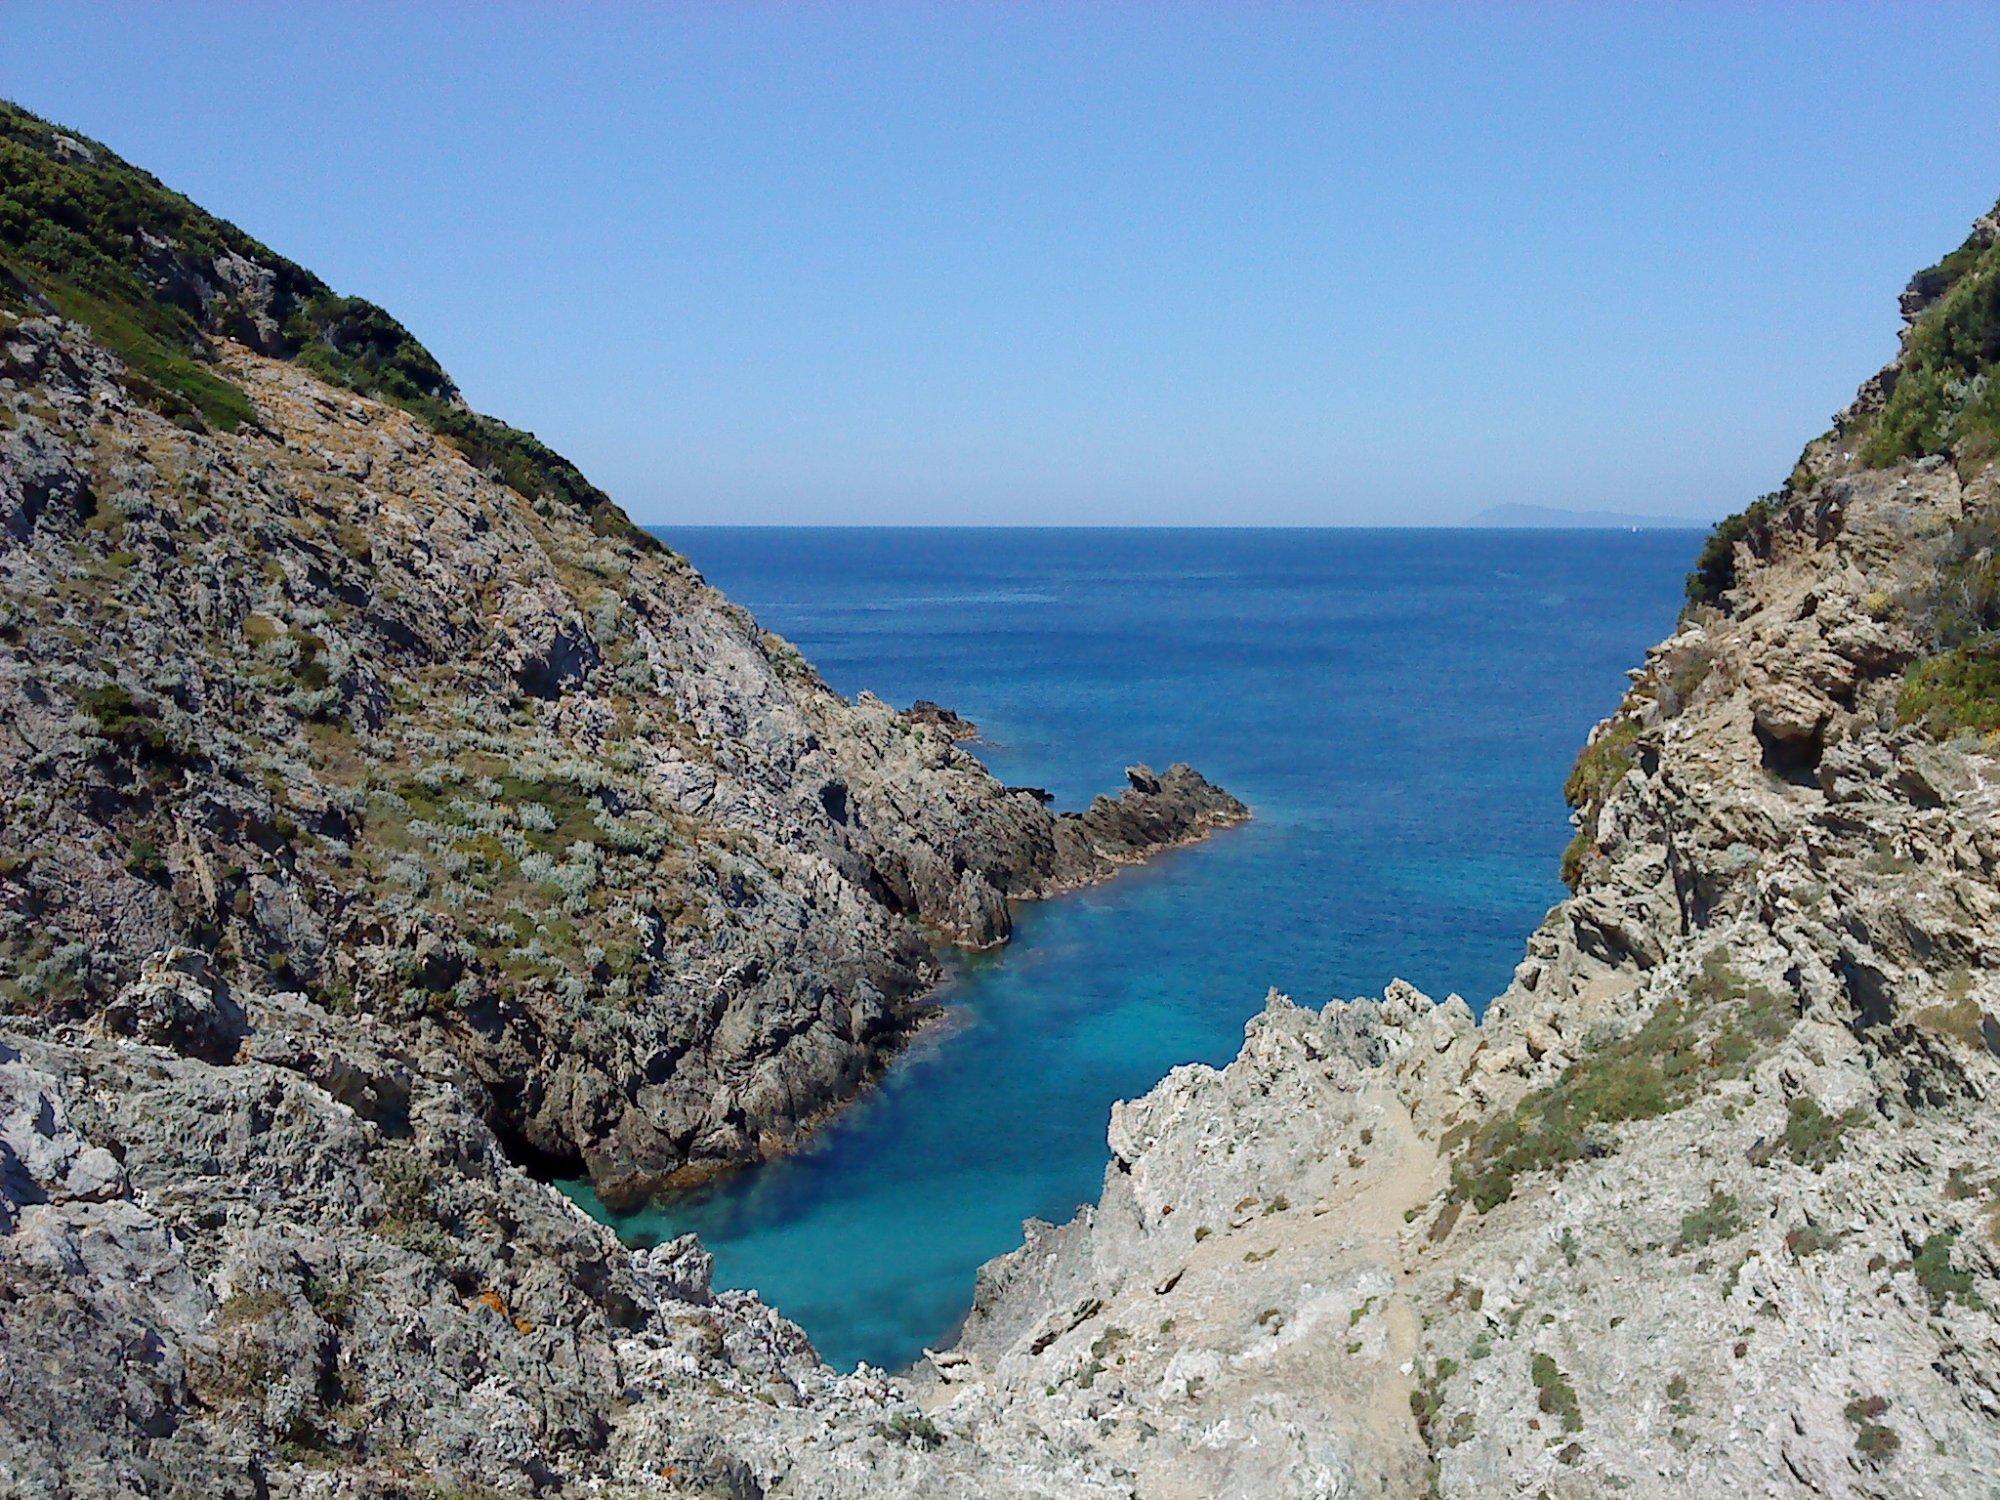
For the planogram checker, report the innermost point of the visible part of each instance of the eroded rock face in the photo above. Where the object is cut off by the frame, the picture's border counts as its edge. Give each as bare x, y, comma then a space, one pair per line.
371, 827
176, 1002
221, 1279
1706, 1205
380, 812
323, 704
360, 809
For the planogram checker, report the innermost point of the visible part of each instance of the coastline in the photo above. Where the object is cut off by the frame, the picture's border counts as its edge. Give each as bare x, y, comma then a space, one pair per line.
926, 1015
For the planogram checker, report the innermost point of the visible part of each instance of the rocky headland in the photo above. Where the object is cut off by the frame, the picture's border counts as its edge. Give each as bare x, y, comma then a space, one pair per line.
1707, 1202
387, 820
352, 698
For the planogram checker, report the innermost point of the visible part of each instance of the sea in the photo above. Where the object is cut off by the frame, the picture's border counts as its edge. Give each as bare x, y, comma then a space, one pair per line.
1399, 709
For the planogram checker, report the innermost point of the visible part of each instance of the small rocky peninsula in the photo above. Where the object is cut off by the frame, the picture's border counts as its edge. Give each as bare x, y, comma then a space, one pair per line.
389, 824
389, 819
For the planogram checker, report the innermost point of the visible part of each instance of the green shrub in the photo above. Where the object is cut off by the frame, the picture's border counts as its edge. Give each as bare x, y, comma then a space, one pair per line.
69, 240
127, 723
1551, 1128
159, 367
1684, 677
410, 1213
1574, 854
309, 667
1808, 1240
145, 860
1812, 1137
1961, 602
1715, 569
1424, 1405
1678, 1404
1427, 1397
1721, 1218
1554, 1394
1956, 688
1940, 1279
1943, 400
916, 1432
1956, 691
1599, 767
1602, 764
1871, 1439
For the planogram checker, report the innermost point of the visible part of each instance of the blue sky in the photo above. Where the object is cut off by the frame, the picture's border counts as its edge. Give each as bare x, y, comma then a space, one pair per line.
1112, 263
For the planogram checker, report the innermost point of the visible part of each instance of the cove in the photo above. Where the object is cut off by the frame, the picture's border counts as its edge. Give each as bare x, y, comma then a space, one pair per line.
1399, 707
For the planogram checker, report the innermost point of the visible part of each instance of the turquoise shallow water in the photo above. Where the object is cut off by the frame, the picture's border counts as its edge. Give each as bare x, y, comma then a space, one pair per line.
1399, 707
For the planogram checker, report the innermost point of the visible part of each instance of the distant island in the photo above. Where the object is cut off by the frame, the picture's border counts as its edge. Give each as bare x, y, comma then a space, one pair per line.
1549, 516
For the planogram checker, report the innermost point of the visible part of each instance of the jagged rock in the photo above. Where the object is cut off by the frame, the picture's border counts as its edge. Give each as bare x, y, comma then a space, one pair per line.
633, 823
177, 1002
1705, 1204
385, 812
937, 716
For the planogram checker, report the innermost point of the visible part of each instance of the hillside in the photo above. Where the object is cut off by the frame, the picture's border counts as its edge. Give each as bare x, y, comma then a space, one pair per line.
385, 818
316, 673
1707, 1202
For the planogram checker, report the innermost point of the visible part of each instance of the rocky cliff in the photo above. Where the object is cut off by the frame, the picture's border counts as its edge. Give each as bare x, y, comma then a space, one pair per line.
342, 690
386, 815
382, 812
1708, 1202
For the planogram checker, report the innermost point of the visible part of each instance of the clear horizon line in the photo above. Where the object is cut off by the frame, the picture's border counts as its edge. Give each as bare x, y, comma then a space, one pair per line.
1666, 524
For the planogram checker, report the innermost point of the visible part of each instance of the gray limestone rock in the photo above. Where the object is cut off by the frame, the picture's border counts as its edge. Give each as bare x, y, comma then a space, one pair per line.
529, 791
374, 828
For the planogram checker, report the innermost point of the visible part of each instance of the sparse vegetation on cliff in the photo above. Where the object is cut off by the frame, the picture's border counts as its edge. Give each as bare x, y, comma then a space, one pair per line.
157, 279
1599, 767
1957, 689
1685, 1045
1944, 399
1554, 1394
1602, 765
1715, 569
1872, 1440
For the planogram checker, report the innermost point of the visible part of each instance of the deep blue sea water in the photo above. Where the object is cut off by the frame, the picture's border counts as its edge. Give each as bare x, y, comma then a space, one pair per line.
1399, 708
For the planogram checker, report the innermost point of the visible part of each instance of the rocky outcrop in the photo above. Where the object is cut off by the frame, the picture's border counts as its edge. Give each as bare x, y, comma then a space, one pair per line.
937, 716
382, 812
385, 815
328, 705
1706, 1203
308, 669
310, 1270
